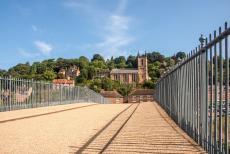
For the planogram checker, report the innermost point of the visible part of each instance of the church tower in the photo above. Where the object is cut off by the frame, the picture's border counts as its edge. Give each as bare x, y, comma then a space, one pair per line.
142, 62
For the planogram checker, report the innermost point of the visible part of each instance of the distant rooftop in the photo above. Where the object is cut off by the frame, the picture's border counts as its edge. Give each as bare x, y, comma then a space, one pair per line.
63, 81
111, 94
115, 71
142, 92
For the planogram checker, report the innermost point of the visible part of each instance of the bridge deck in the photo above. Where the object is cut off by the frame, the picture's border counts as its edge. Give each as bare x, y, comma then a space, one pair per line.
85, 128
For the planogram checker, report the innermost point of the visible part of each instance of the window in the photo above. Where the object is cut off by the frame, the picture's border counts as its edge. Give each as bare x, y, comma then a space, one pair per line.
142, 62
133, 77
126, 76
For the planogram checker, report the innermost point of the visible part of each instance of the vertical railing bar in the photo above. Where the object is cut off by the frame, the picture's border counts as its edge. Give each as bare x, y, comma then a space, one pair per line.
226, 92
216, 81
197, 98
200, 98
188, 96
221, 90
194, 96
201, 107
178, 95
211, 98
206, 98
183, 98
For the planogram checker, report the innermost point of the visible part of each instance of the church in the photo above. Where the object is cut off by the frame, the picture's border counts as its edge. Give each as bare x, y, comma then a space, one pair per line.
132, 76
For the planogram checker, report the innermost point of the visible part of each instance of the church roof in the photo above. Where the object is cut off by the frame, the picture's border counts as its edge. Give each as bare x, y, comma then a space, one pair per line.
116, 71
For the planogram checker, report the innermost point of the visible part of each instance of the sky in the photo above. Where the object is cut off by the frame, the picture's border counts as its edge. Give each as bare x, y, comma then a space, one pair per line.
35, 30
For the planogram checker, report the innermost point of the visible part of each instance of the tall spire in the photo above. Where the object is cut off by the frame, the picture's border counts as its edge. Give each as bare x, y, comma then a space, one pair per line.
138, 54
145, 54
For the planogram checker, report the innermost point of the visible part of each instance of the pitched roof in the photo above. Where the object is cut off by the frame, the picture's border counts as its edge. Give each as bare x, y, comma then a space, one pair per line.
111, 94
142, 92
63, 81
115, 71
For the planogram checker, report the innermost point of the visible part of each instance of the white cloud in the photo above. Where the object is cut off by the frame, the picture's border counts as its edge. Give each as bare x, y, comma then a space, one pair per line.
43, 47
34, 28
116, 37
27, 54
122, 6
113, 27
22, 10
82, 5
118, 23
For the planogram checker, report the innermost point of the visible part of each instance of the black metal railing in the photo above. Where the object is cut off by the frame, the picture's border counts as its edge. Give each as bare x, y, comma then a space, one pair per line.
195, 92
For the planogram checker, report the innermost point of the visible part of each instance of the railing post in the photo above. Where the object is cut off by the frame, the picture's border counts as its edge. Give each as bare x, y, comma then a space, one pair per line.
186, 93
226, 148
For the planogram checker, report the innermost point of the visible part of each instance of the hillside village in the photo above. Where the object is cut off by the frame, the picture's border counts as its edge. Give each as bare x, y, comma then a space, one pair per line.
120, 74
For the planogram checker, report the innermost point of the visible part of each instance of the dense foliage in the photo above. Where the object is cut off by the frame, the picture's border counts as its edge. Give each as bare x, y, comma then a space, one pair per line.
48, 70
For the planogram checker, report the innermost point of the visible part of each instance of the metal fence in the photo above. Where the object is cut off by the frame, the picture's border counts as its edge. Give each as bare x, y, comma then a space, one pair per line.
195, 92
20, 94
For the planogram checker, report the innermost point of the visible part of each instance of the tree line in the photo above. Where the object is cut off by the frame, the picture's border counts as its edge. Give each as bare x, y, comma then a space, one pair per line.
47, 70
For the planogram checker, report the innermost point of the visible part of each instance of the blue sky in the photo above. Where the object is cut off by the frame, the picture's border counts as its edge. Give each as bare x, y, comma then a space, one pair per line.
40, 29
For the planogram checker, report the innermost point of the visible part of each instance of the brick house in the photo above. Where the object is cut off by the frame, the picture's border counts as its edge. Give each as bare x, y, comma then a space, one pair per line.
69, 73
64, 82
141, 95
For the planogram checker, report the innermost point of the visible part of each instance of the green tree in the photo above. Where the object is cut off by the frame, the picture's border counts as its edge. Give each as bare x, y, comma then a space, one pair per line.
83, 62
97, 57
40, 68
125, 89
120, 62
155, 56
131, 62
83, 76
148, 84
2, 72
110, 63
20, 71
154, 71
180, 55
99, 64
170, 62
91, 71
49, 75
96, 85
62, 63
107, 84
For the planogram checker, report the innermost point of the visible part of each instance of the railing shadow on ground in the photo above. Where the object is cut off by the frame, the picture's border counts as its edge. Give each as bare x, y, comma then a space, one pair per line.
128, 142
48, 113
198, 84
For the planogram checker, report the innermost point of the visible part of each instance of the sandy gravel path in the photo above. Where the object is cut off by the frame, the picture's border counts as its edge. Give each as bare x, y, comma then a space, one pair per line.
53, 133
104, 128
149, 130
30, 112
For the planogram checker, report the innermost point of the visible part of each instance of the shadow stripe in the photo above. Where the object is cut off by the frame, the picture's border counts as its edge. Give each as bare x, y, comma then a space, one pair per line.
81, 149
173, 127
118, 131
38, 115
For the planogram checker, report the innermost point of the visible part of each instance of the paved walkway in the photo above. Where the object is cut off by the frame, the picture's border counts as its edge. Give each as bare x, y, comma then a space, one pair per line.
85, 128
